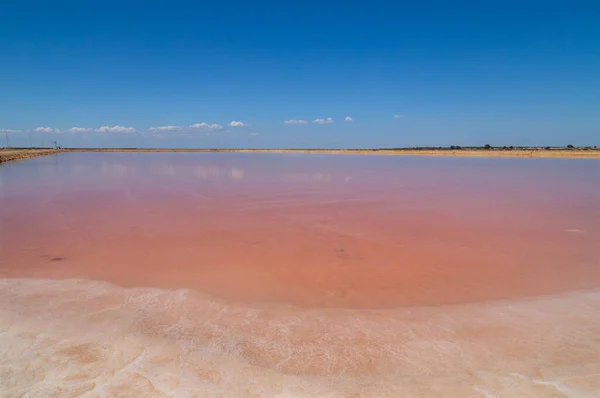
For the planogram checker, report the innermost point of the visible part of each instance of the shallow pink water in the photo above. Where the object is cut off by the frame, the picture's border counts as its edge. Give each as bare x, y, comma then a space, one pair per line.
313, 231
369, 251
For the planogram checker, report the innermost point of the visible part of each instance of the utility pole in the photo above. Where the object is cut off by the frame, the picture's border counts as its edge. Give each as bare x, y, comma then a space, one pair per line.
6, 135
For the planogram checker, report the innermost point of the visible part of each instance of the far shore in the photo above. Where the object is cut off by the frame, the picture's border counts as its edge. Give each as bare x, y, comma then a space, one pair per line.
576, 152
495, 152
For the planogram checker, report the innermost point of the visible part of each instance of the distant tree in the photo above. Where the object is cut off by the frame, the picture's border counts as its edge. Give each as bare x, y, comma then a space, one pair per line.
547, 148
511, 147
570, 146
487, 146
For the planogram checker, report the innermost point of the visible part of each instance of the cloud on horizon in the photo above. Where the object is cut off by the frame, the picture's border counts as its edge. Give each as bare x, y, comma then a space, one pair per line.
10, 131
165, 128
293, 121
74, 130
206, 126
43, 129
348, 119
323, 121
399, 116
115, 129
233, 123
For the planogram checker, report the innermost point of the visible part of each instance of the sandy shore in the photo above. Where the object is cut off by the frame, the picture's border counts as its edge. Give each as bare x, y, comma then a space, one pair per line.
7, 155
16, 154
529, 153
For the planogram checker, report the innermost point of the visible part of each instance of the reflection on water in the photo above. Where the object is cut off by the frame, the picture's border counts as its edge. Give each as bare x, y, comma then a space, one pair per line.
203, 171
282, 275
118, 170
237, 174
308, 177
207, 172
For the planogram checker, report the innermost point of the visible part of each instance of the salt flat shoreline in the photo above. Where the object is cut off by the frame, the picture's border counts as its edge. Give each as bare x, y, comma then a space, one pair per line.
16, 154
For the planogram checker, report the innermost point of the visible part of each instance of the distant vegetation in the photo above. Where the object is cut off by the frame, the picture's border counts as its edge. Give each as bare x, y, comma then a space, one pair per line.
486, 147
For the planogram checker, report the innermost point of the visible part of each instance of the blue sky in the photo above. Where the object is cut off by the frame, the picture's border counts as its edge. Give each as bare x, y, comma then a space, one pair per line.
460, 73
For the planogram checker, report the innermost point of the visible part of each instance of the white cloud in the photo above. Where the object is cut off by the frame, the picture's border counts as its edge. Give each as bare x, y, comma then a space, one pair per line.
237, 124
74, 130
398, 116
44, 129
323, 121
206, 126
295, 122
348, 119
253, 134
9, 131
115, 129
165, 128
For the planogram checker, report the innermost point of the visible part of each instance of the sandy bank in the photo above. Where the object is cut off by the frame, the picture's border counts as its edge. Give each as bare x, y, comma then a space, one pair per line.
530, 153
7, 155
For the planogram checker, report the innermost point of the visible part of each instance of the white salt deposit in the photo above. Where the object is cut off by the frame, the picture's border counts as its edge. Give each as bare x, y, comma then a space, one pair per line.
94, 339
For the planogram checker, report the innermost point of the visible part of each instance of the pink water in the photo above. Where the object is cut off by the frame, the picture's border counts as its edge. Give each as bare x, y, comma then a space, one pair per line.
299, 275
